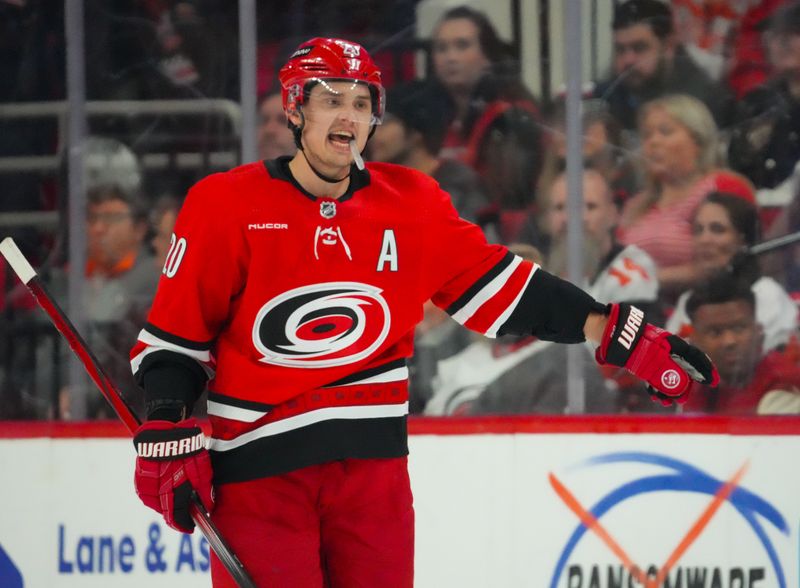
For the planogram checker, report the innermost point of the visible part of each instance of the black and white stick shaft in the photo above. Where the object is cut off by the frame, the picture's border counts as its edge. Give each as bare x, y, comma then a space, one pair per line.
30, 278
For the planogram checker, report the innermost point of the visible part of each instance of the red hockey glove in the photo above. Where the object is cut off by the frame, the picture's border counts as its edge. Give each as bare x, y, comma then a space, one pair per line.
172, 461
663, 360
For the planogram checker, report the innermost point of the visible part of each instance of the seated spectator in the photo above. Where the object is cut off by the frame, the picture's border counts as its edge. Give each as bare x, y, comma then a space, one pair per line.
724, 322
121, 280
704, 29
160, 49
748, 66
120, 273
491, 116
679, 151
724, 227
412, 134
614, 272
648, 62
602, 148
765, 143
274, 136
513, 375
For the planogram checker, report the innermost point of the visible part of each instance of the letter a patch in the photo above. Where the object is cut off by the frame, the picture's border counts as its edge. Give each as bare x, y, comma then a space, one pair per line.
388, 252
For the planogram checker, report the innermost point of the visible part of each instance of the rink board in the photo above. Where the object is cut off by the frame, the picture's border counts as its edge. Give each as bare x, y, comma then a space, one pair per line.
528, 502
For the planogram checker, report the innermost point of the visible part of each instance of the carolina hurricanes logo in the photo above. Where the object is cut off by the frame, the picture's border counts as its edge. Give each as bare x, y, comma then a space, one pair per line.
323, 325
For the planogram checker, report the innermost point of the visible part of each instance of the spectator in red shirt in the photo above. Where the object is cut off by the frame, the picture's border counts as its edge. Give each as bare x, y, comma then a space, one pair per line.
725, 327
748, 64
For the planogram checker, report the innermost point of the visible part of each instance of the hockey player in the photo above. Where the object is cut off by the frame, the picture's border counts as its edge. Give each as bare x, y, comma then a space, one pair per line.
292, 288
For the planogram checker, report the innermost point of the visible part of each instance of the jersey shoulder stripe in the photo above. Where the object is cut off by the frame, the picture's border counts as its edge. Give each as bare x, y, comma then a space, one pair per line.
148, 343
176, 340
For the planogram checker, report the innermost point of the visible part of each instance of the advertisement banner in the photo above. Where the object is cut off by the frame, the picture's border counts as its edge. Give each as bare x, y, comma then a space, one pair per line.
72, 518
607, 511
565, 509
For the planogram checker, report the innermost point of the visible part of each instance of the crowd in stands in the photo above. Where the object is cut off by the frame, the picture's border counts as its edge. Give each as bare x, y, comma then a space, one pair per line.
691, 151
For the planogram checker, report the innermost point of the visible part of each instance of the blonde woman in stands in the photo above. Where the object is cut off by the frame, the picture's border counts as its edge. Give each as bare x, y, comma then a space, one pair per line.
680, 158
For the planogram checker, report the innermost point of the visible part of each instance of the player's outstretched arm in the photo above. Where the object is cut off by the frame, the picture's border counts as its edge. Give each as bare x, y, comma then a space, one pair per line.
665, 361
517, 297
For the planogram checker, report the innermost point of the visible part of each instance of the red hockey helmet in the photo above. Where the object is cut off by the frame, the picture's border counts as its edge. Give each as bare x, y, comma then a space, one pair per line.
330, 59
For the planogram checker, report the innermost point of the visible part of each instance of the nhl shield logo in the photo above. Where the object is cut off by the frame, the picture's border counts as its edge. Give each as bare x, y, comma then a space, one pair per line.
327, 209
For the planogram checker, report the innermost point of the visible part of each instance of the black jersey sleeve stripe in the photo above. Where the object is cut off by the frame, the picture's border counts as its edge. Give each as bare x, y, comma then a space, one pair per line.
238, 403
470, 293
368, 373
175, 340
551, 309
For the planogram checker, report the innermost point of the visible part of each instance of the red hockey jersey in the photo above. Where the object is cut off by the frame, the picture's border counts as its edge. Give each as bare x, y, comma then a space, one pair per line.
302, 309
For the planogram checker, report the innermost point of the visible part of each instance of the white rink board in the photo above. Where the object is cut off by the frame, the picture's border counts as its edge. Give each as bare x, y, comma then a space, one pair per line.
487, 512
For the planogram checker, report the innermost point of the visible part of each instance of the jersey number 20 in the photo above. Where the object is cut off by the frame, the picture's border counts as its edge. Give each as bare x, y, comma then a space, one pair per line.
177, 249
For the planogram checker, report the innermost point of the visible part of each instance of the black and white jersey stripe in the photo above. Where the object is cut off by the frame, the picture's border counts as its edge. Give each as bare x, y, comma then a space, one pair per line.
394, 371
228, 407
312, 417
491, 300
235, 409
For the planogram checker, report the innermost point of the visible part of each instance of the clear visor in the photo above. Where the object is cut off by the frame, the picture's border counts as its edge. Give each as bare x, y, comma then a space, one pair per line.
344, 100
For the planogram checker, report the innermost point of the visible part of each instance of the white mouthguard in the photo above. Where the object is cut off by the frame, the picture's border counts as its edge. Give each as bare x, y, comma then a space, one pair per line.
356, 154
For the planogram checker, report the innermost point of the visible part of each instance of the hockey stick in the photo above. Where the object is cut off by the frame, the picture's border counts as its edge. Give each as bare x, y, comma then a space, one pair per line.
200, 516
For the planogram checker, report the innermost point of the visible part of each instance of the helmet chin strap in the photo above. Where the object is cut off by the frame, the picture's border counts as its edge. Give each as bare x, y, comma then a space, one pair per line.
322, 176
298, 132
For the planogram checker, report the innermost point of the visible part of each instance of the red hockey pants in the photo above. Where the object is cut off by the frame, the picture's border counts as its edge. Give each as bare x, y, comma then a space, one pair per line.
344, 524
